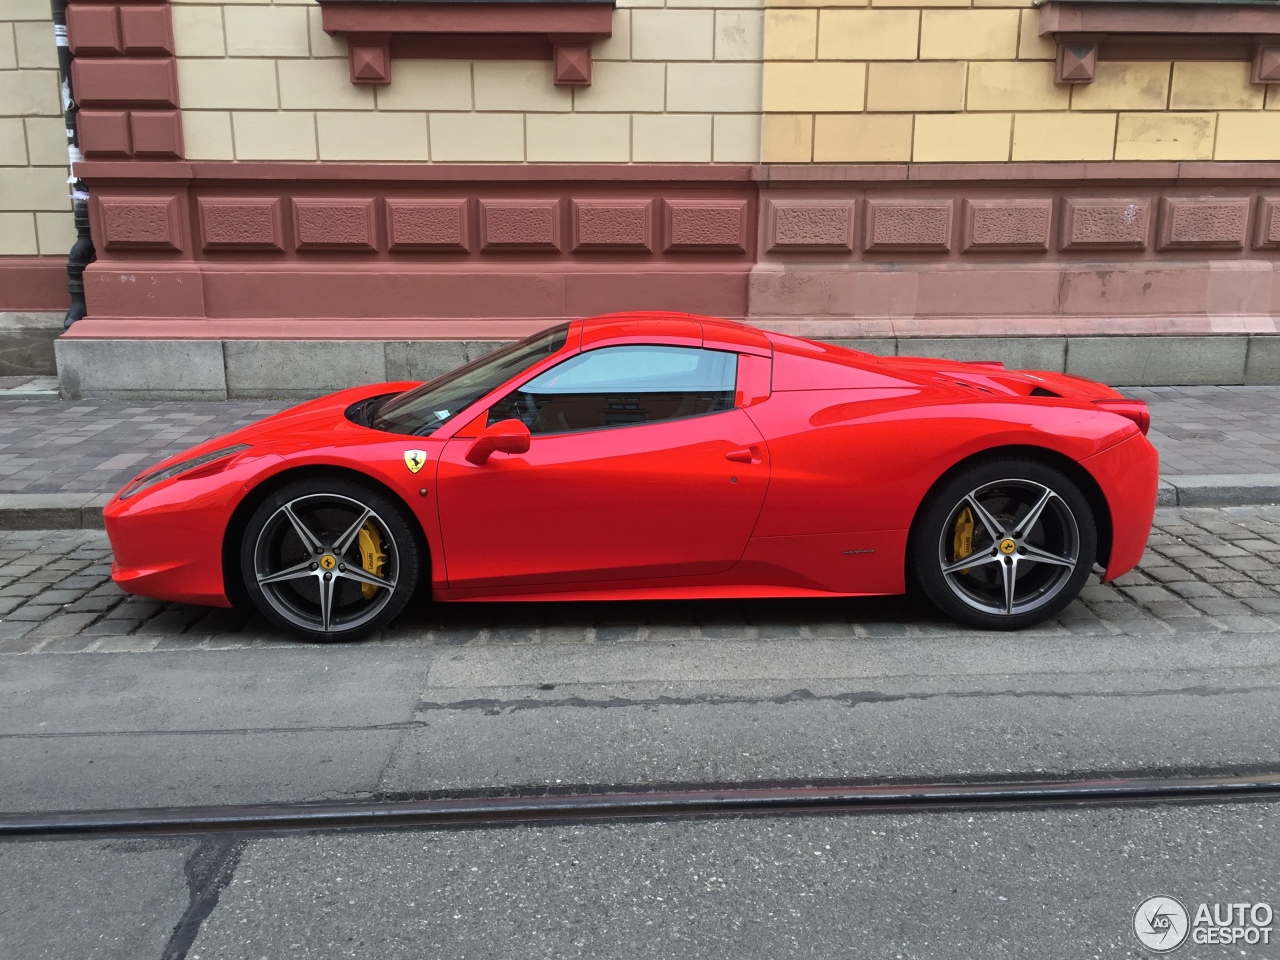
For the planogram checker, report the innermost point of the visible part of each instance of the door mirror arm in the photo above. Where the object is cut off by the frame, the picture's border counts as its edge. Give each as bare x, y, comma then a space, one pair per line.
505, 436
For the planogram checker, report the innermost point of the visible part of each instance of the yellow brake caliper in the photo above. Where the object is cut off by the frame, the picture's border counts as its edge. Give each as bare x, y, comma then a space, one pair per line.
371, 557
963, 542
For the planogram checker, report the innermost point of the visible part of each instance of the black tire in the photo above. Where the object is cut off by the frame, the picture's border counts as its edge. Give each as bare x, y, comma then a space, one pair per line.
1049, 560
350, 543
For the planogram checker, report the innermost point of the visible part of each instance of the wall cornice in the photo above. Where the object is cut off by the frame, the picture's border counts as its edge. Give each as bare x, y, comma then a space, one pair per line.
379, 30
1087, 31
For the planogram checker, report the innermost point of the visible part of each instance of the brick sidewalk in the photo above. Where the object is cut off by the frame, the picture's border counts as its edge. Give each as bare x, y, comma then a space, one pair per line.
1210, 430
96, 446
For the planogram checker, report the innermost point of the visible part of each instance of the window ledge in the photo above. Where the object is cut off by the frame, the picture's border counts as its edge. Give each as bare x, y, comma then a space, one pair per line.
378, 31
1087, 31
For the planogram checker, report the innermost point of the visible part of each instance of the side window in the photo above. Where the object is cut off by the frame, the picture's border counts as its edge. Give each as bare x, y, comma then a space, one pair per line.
622, 386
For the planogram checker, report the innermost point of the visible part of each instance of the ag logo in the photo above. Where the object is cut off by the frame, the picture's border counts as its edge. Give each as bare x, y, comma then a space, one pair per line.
414, 459
1161, 924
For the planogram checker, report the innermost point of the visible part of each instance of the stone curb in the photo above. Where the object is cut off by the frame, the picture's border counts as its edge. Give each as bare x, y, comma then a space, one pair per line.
1219, 490
52, 511
83, 511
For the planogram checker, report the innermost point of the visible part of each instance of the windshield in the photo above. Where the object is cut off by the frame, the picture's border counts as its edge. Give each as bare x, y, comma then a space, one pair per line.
424, 409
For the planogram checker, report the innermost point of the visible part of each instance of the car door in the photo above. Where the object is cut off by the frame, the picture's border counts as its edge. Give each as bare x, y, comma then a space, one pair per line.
639, 466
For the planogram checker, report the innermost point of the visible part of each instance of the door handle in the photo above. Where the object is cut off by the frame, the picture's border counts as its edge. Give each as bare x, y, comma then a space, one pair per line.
744, 455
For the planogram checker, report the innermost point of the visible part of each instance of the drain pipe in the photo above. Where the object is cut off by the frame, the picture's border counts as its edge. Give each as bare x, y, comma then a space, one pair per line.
82, 252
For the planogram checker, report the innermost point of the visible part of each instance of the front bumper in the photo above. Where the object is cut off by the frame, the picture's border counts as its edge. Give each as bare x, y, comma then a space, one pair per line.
168, 542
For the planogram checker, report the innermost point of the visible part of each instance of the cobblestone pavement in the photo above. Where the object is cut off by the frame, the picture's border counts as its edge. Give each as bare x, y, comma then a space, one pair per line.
1205, 570
96, 446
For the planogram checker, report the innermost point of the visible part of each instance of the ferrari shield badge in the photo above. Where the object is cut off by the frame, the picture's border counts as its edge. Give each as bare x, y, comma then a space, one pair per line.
414, 459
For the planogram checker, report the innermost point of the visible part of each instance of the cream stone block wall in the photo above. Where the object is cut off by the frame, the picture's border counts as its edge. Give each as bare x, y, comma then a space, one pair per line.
35, 208
427, 85
969, 34
673, 34
790, 34
972, 80
869, 35
34, 47
319, 85
266, 32
346, 135
198, 31
787, 137
1032, 46
1206, 85
1120, 85
713, 87
18, 233
739, 35
477, 137
622, 87
8, 48
578, 137
1064, 136
1248, 136
678, 81
943, 137
274, 136
836, 87
915, 86
1165, 136
56, 232
518, 85
671, 139
206, 135
228, 84
866, 138
720, 81
735, 138
1013, 85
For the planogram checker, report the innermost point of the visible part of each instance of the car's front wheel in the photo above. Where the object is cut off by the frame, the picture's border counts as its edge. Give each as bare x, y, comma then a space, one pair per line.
329, 559
1005, 544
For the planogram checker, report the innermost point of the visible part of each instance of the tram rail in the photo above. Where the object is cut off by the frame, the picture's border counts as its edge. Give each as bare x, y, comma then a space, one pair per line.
620, 805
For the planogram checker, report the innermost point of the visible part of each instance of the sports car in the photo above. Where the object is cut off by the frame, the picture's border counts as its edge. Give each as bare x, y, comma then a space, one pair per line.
654, 456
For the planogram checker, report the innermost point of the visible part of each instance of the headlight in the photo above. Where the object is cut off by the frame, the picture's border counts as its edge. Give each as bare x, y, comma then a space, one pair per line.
151, 479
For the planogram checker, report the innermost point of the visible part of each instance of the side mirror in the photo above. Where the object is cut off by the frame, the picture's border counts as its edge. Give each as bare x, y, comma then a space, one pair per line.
506, 436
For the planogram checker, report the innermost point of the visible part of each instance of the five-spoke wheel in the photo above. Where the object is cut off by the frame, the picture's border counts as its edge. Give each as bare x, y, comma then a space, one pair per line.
1004, 544
329, 559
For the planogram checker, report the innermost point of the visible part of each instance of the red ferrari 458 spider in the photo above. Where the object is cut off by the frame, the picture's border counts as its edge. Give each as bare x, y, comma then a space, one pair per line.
654, 455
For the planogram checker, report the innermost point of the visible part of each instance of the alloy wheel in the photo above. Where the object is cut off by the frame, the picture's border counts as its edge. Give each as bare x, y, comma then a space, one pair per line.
326, 563
1009, 547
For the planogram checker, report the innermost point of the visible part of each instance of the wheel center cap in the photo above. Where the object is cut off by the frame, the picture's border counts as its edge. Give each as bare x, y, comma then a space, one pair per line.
1007, 546
328, 561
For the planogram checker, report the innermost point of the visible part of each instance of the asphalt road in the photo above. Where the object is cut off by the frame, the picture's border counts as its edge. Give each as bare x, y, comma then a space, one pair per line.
87, 732
1050, 884
1176, 671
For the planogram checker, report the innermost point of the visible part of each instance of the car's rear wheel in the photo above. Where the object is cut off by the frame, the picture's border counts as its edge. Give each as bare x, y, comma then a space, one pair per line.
329, 559
1005, 544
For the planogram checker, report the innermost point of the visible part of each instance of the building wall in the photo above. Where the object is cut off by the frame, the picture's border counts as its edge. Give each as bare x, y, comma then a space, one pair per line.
924, 184
35, 212
971, 80
675, 83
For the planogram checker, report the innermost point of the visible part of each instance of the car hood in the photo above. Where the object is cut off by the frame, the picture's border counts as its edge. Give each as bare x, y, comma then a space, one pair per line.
305, 426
